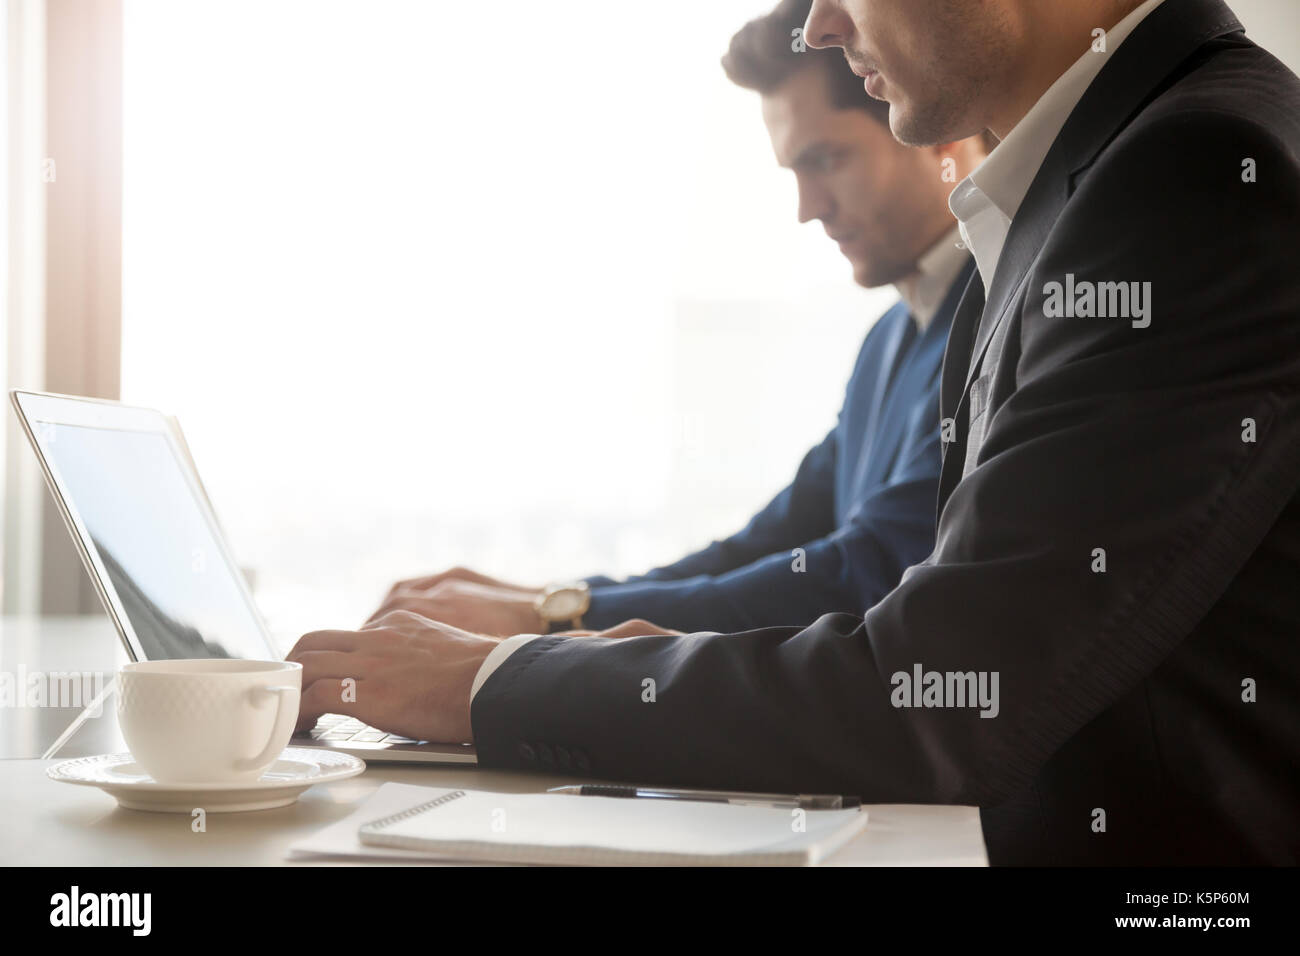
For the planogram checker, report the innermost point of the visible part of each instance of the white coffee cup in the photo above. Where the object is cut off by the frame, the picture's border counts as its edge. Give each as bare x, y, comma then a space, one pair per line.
207, 721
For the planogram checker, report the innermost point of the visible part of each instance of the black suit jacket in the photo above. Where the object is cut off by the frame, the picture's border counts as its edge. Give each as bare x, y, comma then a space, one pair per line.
1148, 712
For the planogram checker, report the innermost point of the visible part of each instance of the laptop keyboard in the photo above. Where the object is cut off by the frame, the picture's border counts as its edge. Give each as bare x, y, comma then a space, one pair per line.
336, 728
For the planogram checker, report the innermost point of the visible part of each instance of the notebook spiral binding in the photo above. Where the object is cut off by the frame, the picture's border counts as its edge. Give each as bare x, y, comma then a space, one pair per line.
419, 808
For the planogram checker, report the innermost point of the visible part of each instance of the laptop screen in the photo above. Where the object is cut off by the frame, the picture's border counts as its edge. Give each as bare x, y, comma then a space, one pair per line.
162, 554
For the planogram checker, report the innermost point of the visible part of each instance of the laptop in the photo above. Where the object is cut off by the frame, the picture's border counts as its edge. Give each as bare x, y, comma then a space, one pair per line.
132, 499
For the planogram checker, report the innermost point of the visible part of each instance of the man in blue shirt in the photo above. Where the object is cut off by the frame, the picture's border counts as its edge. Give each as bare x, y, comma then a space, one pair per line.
861, 508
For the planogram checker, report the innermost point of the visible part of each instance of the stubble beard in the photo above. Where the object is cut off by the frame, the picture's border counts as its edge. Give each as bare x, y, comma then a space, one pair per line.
950, 109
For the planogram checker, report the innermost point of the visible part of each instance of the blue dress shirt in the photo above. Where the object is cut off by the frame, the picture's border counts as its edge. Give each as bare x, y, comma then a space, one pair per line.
861, 508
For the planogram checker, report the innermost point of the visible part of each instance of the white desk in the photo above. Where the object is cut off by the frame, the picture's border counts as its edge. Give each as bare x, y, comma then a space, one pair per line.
47, 823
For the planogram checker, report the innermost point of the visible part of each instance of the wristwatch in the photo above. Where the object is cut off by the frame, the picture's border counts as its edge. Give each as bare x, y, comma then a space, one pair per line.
561, 606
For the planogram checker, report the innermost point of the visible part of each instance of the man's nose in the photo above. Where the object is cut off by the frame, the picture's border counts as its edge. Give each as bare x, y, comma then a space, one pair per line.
827, 25
814, 203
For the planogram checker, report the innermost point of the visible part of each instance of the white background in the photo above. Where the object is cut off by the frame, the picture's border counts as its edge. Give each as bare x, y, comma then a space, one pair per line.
510, 284
433, 283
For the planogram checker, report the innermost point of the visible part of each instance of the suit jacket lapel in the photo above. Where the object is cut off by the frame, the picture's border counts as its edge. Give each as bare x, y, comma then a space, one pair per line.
911, 380
884, 379
952, 395
961, 333
1154, 49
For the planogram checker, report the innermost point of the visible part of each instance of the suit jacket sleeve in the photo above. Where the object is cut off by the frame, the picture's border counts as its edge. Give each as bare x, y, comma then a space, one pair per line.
1119, 438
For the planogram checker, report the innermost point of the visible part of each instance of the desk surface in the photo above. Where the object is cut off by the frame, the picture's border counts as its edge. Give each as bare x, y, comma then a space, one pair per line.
48, 823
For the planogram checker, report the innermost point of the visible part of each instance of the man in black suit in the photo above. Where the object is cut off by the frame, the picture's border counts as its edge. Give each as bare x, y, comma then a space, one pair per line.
1103, 651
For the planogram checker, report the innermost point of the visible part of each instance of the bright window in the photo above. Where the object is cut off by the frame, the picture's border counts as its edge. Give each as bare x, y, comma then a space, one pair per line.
429, 286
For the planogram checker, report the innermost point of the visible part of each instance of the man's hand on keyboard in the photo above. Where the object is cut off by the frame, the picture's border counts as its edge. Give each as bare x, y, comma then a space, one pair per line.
467, 600
402, 673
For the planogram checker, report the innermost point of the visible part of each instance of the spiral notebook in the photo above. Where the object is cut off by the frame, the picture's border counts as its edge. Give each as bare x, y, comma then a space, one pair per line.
481, 826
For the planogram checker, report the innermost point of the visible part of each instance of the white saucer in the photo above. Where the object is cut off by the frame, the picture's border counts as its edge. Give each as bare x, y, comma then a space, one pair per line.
294, 771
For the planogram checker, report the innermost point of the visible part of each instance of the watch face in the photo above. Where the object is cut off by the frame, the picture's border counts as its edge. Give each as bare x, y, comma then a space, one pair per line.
563, 605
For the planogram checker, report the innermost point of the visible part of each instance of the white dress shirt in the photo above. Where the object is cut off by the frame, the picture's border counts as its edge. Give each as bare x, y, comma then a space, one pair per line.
925, 289
987, 200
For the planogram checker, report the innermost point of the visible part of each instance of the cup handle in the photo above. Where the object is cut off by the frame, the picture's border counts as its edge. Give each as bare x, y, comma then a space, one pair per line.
283, 715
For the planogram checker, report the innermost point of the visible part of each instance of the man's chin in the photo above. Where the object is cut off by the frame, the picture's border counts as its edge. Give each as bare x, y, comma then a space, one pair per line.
923, 127
903, 124
868, 276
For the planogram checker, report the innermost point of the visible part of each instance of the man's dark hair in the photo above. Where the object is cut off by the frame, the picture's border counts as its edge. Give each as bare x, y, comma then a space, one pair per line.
765, 53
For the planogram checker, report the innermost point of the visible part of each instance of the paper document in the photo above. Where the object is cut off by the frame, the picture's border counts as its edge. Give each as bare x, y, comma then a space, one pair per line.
401, 821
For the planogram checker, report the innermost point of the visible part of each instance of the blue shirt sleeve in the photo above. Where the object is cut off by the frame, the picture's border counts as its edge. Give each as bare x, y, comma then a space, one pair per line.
849, 568
805, 509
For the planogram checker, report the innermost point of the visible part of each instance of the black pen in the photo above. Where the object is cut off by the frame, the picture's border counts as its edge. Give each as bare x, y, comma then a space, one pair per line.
803, 801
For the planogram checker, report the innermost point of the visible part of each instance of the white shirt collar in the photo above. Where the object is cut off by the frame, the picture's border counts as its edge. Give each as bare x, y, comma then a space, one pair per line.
988, 199
924, 290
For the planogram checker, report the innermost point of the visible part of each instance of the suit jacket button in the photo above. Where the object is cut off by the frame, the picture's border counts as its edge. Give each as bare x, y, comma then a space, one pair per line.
545, 755
526, 753
581, 761
564, 758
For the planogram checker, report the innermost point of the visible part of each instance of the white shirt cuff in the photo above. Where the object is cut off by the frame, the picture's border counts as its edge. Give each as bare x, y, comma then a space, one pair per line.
497, 658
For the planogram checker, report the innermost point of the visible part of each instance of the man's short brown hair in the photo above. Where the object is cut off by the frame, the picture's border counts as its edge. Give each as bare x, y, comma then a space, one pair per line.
769, 50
